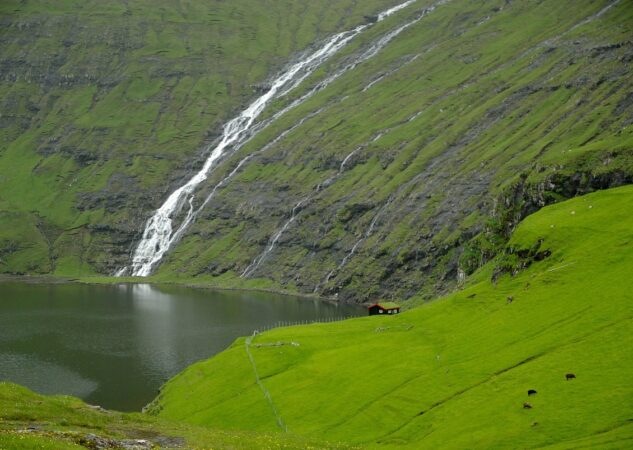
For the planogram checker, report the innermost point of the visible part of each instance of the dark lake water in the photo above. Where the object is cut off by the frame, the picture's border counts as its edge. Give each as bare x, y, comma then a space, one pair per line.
114, 346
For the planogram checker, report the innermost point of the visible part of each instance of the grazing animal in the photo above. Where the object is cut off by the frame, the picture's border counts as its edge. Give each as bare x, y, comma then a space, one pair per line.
510, 299
532, 392
526, 405
570, 376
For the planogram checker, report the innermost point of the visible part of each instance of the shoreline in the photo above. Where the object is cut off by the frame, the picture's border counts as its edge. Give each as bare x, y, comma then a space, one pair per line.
36, 279
52, 279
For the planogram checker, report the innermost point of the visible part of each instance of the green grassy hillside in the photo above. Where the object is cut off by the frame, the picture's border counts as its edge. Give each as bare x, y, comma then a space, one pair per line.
409, 172
31, 421
455, 373
106, 105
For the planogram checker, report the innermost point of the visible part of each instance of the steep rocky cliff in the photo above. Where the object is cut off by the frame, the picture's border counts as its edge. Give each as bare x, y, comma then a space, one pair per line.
107, 105
396, 178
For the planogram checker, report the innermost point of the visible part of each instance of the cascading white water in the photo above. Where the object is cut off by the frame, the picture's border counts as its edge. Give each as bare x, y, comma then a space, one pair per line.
383, 15
369, 53
159, 234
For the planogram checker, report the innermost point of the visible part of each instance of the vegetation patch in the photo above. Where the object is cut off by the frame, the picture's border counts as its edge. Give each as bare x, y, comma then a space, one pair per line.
440, 375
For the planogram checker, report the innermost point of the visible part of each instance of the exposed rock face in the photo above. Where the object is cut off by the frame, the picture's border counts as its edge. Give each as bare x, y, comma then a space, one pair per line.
412, 168
107, 106
453, 167
95, 442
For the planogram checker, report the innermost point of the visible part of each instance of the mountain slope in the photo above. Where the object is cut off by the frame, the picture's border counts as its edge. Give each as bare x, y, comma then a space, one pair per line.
106, 105
419, 148
404, 168
455, 373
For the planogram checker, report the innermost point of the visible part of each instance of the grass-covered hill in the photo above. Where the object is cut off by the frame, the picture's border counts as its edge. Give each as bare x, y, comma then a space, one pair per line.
472, 116
455, 373
106, 105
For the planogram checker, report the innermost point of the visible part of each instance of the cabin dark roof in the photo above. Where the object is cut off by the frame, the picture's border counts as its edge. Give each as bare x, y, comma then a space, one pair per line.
386, 305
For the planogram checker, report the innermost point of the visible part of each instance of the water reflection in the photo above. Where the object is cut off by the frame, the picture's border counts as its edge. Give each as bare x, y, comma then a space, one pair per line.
115, 345
157, 328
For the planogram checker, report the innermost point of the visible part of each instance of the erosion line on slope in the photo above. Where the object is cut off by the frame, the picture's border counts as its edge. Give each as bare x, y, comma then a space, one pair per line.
280, 422
544, 43
369, 231
158, 235
369, 53
460, 88
242, 162
277, 235
593, 17
550, 41
274, 239
352, 252
272, 242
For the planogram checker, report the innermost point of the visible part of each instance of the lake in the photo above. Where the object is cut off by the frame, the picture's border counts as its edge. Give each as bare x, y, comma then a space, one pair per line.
114, 346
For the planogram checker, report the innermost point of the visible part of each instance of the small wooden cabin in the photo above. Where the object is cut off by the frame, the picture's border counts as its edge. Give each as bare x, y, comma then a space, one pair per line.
383, 308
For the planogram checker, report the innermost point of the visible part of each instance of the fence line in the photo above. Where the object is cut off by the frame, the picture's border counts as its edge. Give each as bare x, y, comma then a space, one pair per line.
284, 323
281, 324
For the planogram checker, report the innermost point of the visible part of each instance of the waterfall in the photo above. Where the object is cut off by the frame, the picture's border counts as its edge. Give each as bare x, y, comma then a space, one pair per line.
237, 168
159, 235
